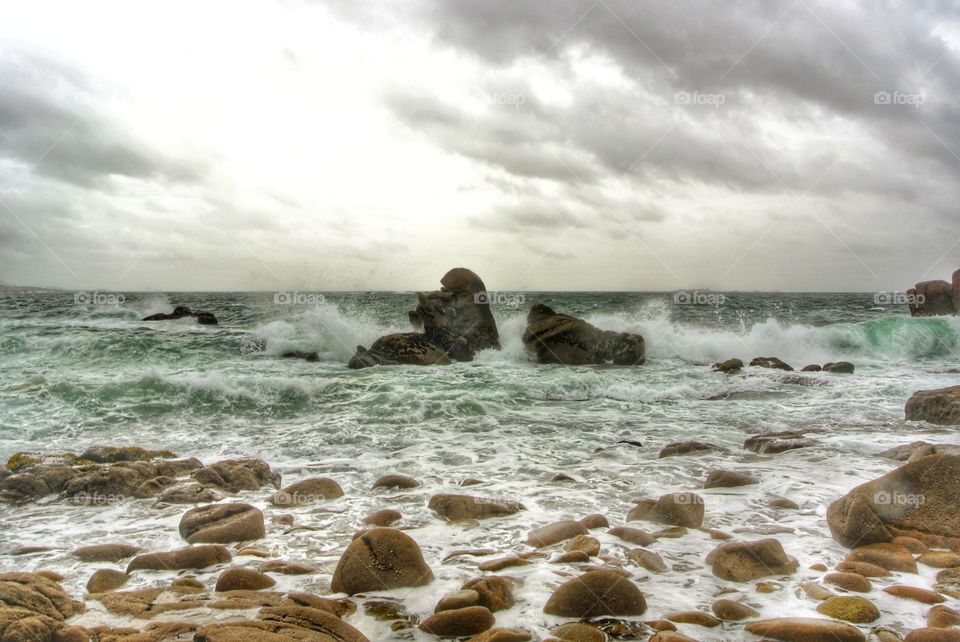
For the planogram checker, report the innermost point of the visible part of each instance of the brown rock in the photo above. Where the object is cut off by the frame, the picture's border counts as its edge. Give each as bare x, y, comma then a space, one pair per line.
503, 635
106, 579
913, 545
381, 558
728, 366
307, 491
182, 558
383, 517
693, 617
933, 635
849, 582
675, 509
648, 560
850, 608
571, 557
670, 636
948, 582
940, 559
36, 594
745, 561
784, 503
687, 448
633, 535
222, 523
796, 629
843, 367
917, 500
578, 632
503, 562
941, 406
595, 594
189, 493
777, 442
235, 475
942, 617
915, 593
816, 592
863, 568
587, 544
286, 568
460, 507
889, 556
105, 552
243, 579
493, 592
596, 520
457, 600
728, 479
396, 481
554, 533
466, 621
733, 611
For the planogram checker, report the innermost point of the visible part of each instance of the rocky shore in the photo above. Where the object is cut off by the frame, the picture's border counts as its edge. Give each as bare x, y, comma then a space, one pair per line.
250, 565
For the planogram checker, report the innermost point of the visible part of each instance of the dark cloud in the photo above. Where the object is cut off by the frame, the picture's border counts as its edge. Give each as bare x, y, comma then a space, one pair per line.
49, 122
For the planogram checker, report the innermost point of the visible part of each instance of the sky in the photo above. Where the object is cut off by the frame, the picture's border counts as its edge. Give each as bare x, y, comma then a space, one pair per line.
547, 145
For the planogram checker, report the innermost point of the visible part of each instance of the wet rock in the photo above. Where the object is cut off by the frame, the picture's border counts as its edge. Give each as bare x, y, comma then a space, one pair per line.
850, 608
594, 594
636, 536
745, 561
105, 552
728, 479
676, 509
181, 558
562, 477
578, 632
595, 520
915, 546
844, 367
222, 523
503, 635
783, 503
106, 579
468, 552
889, 556
733, 611
281, 624
236, 475
688, 448
26, 596
554, 533
570, 557
561, 338
381, 558
243, 579
670, 636
286, 568
728, 366
383, 517
917, 449
396, 481
933, 635
940, 406
648, 560
584, 543
942, 617
673, 532
503, 562
113, 454
915, 593
188, 493
693, 617
458, 622
307, 491
849, 582
457, 600
948, 582
811, 368
771, 362
460, 507
493, 592
917, 500
795, 629
778, 442
816, 592
863, 568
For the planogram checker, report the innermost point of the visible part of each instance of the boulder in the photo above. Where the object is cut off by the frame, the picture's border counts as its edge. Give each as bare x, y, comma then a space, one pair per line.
307, 491
940, 406
405, 348
729, 479
850, 608
243, 579
105, 552
106, 579
380, 559
932, 298
595, 594
728, 366
38, 595
583, 543
458, 622
284, 623
595, 520
222, 523
733, 611
396, 481
181, 558
383, 517
493, 592
917, 449
813, 367
457, 600
182, 312
933, 635
892, 557
188, 493
578, 632
554, 533
461, 507
503, 635
675, 509
636, 536
797, 629
914, 593
687, 448
563, 339
777, 442
849, 582
647, 559
745, 561
844, 367
771, 362
917, 500
235, 475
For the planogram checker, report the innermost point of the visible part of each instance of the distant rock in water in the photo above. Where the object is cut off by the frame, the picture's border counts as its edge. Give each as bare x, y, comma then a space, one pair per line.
935, 298
771, 362
940, 406
561, 338
182, 311
730, 365
452, 324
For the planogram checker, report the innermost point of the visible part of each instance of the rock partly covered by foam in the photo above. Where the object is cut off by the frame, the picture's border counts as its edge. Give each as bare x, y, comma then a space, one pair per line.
745, 561
940, 406
307, 491
183, 312
774, 363
917, 500
459, 507
560, 338
595, 594
674, 509
380, 559
222, 523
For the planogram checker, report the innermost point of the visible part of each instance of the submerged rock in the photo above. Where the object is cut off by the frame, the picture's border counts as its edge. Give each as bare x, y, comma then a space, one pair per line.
561, 338
181, 312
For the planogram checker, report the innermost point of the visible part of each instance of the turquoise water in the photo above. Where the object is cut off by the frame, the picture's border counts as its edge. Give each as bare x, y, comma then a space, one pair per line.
76, 375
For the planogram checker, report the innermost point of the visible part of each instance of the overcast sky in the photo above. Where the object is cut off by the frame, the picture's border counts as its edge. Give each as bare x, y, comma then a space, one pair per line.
548, 145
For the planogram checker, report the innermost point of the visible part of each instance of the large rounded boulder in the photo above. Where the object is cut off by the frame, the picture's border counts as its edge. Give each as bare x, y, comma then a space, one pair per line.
381, 559
595, 594
917, 500
940, 406
560, 338
222, 523
745, 561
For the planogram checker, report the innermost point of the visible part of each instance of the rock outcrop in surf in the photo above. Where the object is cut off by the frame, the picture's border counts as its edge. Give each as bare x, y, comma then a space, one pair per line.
561, 338
181, 311
452, 323
935, 298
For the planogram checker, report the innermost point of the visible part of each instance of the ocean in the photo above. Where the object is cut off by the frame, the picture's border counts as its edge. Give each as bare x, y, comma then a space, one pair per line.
79, 374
